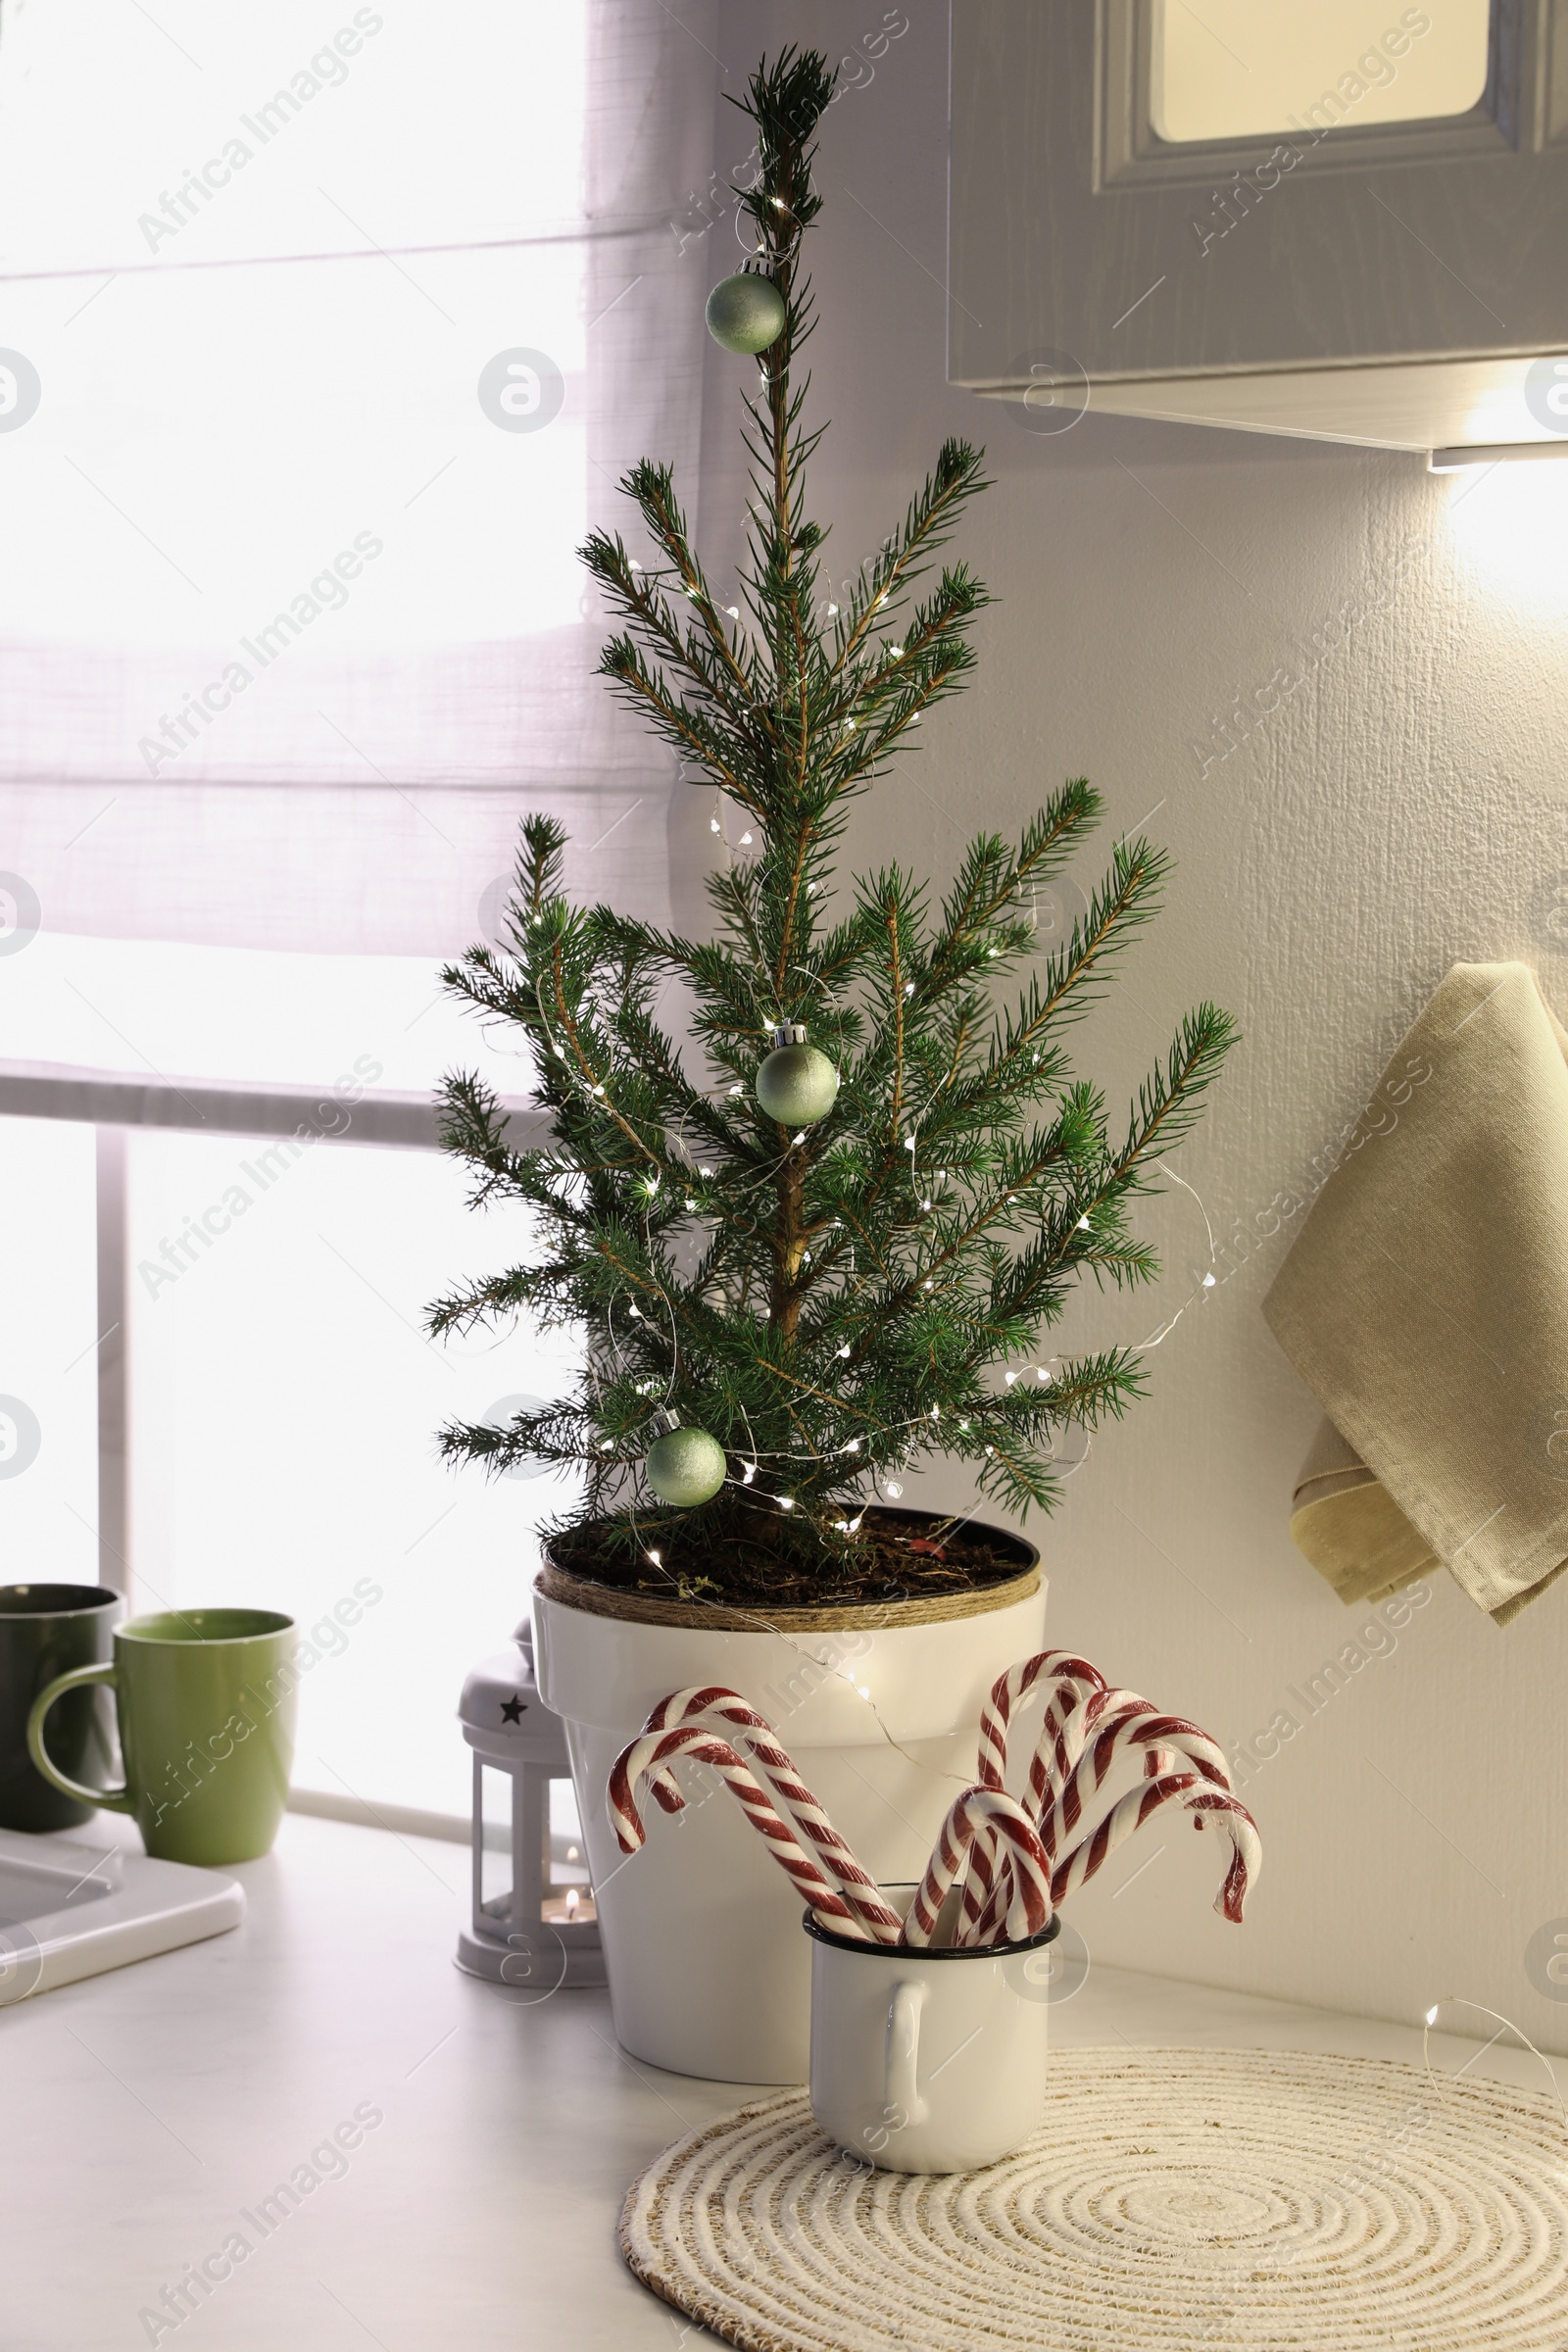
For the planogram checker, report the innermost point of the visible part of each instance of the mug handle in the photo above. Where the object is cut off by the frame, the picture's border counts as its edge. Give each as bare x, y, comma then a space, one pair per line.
903, 2059
113, 1801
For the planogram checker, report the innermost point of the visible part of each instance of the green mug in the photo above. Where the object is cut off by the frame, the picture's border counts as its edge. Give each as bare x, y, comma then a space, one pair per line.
204, 1699
46, 1630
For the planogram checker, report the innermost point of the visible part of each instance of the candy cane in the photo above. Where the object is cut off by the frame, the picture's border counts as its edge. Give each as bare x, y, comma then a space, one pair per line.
1199, 1797
1107, 1725
1070, 1680
1109, 1710
976, 1810
1058, 1744
1058, 1666
643, 1758
980, 1901
711, 1703
1053, 1776
1051, 1762
1130, 1812
988, 1924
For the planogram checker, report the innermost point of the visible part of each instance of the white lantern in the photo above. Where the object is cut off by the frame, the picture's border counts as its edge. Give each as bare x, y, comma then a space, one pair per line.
543, 1933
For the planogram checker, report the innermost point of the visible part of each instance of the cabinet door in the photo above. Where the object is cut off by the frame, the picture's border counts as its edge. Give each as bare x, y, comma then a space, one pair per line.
1118, 211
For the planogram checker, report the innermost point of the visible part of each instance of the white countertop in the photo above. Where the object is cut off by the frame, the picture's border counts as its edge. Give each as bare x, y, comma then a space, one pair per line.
148, 2112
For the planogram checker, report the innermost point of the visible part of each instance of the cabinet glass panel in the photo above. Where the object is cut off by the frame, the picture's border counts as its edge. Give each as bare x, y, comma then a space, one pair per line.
1232, 69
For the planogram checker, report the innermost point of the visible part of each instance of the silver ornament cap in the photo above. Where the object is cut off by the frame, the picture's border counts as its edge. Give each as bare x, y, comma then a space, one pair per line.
684, 1466
797, 1084
745, 312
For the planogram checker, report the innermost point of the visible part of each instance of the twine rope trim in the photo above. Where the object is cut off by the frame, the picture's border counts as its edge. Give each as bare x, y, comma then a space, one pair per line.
651, 1608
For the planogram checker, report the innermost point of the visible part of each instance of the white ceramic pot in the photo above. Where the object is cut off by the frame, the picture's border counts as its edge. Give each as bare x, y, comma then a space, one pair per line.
928, 2061
708, 1971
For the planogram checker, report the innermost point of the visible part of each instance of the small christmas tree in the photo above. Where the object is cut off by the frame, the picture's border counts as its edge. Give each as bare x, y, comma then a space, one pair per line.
788, 1291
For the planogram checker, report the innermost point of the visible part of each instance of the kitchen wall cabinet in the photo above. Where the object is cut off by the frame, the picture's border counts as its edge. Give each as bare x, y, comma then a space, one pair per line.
1382, 260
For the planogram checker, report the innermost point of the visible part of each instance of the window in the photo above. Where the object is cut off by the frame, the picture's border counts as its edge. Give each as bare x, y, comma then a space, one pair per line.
48, 1370
293, 290
258, 310
284, 1409
283, 1401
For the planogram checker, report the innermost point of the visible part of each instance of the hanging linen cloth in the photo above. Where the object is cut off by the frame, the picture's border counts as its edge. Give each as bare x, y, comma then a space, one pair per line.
1425, 1304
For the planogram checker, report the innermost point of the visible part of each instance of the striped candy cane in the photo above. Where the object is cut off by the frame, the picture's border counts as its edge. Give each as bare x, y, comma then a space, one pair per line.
1247, 1847
987, 1923
711, 1704
1050, 1764
1104, 1729
1198, 1796
644, 1759
1056, 1666
982, 1900
1071, 1683
976, 1812
1068, 1681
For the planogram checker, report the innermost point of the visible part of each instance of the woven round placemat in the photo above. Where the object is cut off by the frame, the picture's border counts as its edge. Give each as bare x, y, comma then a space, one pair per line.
1236, 2200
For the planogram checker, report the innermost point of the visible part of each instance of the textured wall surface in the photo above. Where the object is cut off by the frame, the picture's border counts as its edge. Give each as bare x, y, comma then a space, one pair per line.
1401, 806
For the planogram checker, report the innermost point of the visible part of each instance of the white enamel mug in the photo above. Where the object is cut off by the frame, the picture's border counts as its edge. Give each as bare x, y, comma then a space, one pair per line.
928, 2061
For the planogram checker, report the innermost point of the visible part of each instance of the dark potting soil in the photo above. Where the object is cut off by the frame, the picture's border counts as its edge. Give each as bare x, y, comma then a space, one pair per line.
896, 1556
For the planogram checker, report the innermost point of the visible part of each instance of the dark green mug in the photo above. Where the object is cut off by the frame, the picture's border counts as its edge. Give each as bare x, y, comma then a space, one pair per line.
206, 1703
45, 1631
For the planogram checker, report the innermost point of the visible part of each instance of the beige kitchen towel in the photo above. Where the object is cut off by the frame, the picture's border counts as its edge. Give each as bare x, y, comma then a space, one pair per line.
1350, 1527
1425, 1304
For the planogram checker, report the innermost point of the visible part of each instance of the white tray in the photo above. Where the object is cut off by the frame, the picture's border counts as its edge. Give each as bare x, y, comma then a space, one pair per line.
71, 1908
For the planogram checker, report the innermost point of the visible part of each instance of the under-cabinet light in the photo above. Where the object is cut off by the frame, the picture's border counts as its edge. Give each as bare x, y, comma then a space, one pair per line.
1464, 460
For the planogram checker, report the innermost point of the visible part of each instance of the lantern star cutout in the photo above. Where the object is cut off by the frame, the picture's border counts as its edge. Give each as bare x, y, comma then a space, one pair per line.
512, 1709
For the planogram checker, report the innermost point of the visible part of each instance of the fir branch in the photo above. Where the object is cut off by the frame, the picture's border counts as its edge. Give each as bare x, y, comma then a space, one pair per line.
932, 515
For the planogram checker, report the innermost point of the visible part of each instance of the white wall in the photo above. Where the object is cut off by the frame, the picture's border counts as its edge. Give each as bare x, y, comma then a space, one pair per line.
1402, 809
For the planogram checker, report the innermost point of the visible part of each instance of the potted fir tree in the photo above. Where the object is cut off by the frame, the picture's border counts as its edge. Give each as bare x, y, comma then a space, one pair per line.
822, 1242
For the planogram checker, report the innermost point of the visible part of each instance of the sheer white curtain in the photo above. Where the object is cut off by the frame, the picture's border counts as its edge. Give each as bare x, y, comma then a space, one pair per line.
325, 333
291, 627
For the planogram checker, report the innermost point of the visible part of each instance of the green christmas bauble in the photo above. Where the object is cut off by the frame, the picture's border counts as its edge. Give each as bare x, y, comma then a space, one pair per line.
685, 1466
797, 1084
745, 312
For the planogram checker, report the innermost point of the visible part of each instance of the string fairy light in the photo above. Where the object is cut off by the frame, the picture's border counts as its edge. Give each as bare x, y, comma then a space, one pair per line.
1206, 1281
1042, 1374
1505, 2025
